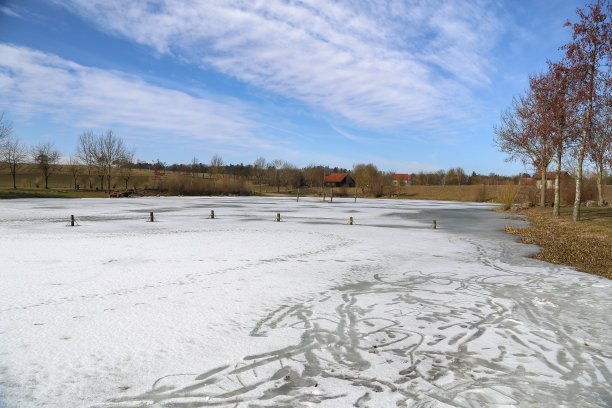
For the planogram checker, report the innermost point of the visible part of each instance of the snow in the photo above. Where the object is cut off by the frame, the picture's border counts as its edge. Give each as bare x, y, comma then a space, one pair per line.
242, 311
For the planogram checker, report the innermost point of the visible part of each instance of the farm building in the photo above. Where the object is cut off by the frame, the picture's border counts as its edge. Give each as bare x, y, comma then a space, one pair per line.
404, 179
550, 178
339, 180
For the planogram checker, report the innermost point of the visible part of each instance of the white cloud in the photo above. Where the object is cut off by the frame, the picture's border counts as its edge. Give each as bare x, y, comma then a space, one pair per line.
34, 83
9, 12
377, 64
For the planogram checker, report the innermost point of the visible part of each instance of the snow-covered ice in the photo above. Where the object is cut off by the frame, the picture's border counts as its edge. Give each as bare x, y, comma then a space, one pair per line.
244, 311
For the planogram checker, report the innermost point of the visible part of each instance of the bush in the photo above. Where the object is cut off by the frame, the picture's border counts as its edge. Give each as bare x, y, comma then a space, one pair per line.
506, 195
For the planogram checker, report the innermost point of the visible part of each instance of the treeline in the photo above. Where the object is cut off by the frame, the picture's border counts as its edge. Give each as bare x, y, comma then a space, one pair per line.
99, 157
566, 112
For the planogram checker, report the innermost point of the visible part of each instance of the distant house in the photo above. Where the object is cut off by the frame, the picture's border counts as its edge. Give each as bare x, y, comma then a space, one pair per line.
339, 180
401, 179
550, 178
526, 181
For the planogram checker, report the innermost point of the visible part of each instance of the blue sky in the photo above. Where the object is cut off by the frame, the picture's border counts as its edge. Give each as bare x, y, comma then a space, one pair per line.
407, 85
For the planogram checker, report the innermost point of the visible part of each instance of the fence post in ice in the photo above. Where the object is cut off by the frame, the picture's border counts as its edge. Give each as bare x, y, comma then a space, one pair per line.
212, 214
434, 224
323, 193
351, 220
151, 216
331, 197
355, 194
72, 220
278, 217
298, 195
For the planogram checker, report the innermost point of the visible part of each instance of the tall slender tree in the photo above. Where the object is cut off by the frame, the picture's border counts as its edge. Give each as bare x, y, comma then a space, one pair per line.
86, 152
587, 56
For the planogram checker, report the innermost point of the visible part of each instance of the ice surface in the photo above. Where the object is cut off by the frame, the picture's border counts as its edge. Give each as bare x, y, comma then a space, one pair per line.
244, 311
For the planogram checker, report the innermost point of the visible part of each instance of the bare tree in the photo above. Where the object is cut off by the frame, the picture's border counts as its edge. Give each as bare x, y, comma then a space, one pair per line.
86, 152
46, 157
290, 175
110, 149
216, 166
13, 153
274, 173
74, 166
126, 165
6, 128
599, 148
259, 169
588, 59
195, 166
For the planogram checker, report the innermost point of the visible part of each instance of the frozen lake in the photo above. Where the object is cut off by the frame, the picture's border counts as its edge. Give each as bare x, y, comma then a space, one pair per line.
244, 311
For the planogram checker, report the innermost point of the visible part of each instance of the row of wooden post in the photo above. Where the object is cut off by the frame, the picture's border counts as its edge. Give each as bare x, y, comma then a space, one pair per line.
212, 216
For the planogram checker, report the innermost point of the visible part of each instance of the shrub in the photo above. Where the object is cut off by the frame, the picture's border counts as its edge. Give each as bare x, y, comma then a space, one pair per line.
506, 195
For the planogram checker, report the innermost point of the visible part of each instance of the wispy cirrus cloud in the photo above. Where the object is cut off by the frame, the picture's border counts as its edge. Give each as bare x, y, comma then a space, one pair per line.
9, 12
36, 83
376, 64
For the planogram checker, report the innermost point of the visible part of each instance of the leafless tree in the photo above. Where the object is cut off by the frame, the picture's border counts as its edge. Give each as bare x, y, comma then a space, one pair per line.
599, 148
274, 173
259, 170
86, 152
126, 166
195, 166
46, 158
13, 153
6, 128
110, 149
216, 166
74, 166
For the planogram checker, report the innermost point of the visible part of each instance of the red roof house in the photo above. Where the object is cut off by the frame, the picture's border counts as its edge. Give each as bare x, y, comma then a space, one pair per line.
404, 179
339, 180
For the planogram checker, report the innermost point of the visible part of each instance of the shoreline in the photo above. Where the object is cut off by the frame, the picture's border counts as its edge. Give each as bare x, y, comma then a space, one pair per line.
584, 245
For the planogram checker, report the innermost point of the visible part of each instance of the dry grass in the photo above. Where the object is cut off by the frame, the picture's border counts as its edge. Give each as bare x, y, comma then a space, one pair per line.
506, 195
585, 245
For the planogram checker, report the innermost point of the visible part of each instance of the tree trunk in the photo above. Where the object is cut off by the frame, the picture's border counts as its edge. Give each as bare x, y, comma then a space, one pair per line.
14, 174
600, 199
46, 181
557, 205
578, 198
543, 187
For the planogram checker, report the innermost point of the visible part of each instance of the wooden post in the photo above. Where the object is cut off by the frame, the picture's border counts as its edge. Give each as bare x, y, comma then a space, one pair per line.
331, 197
278, 217
212, 214
355, 193
72, 220
323, 193
351, 221
434, 224
298, 195
151, 219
